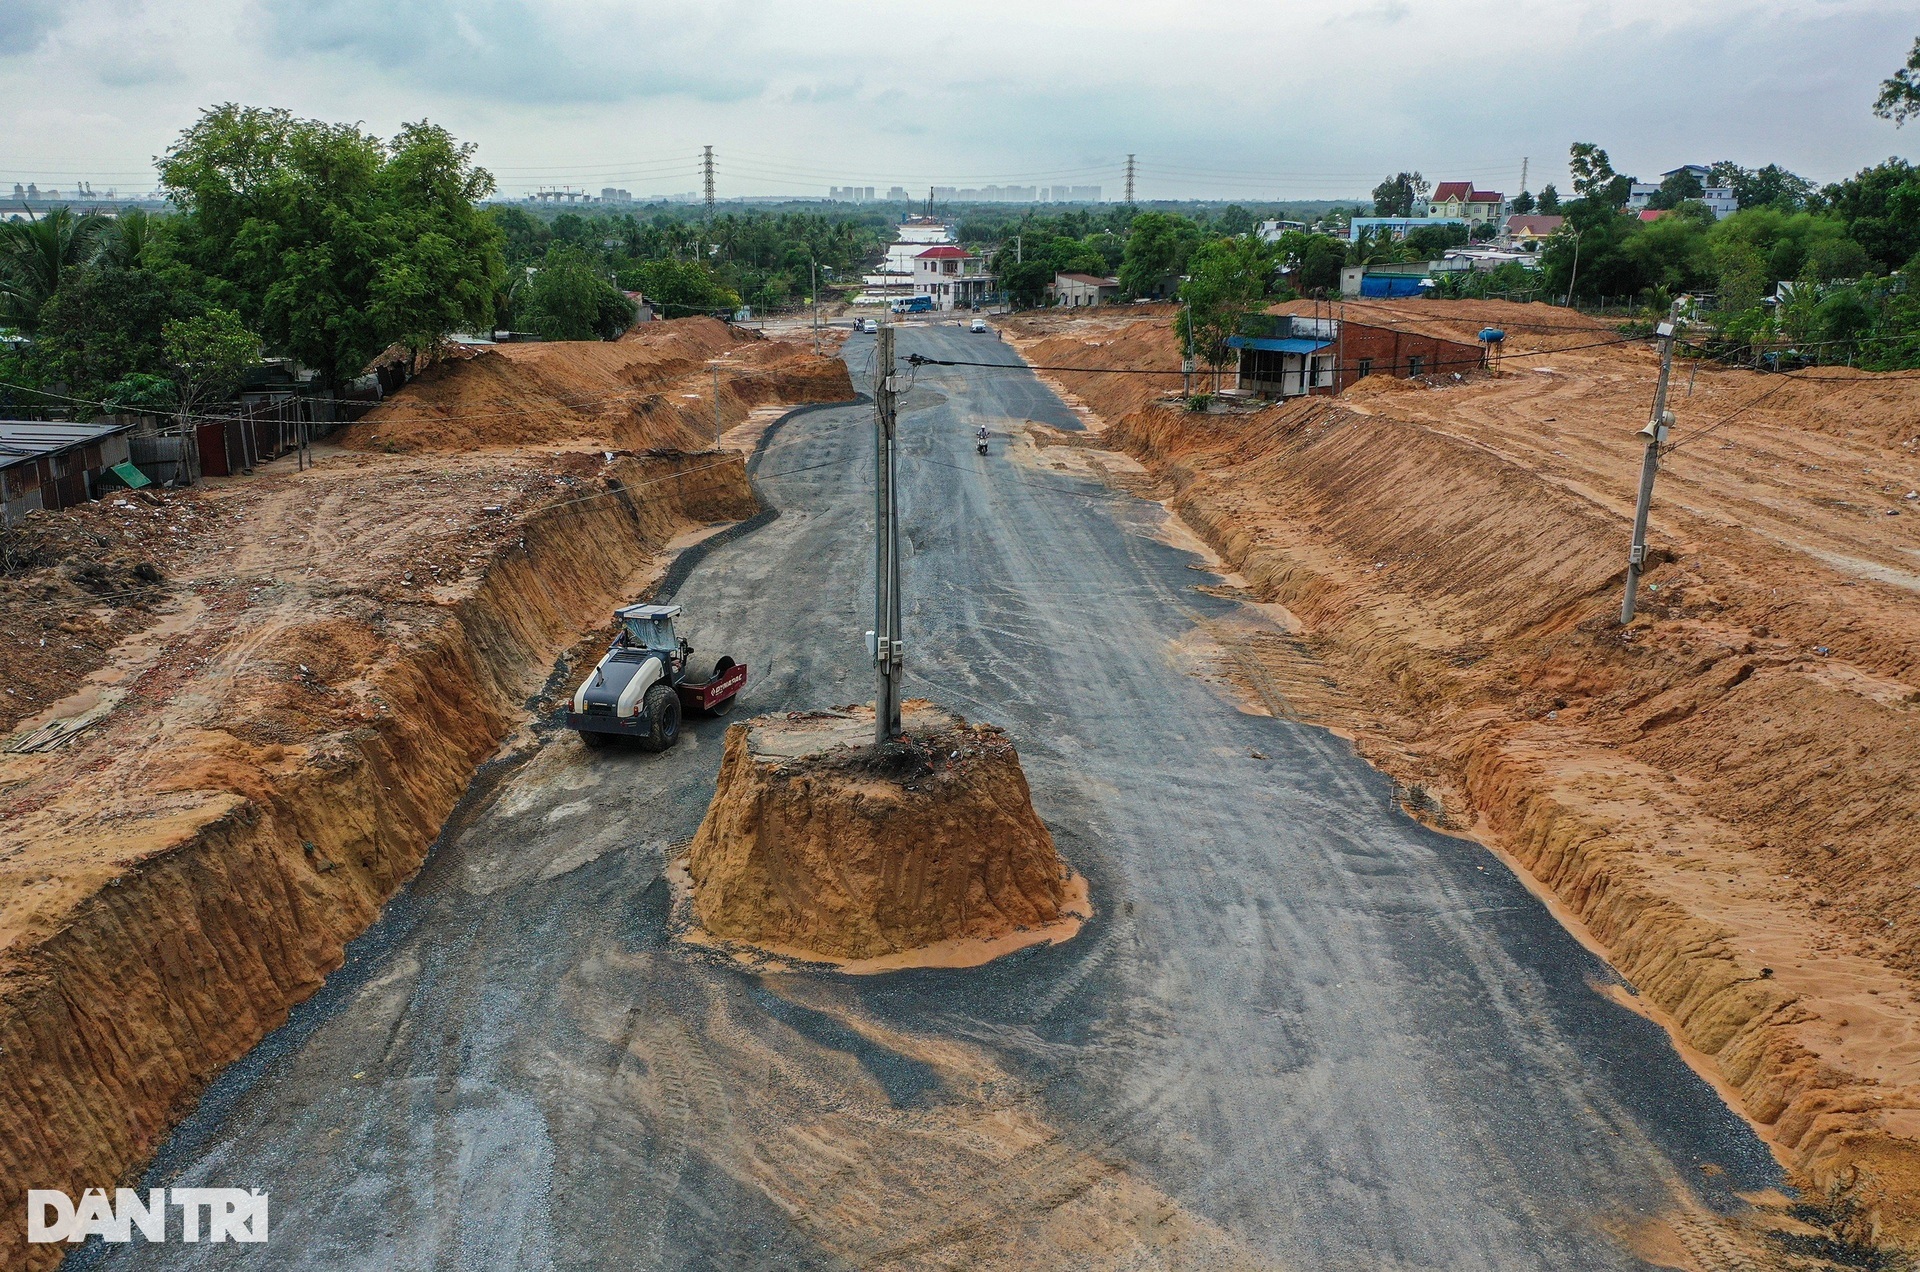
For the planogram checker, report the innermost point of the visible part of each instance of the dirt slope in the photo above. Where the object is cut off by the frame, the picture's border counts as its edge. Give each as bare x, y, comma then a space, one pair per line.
1722, 794
287, 717
653, 388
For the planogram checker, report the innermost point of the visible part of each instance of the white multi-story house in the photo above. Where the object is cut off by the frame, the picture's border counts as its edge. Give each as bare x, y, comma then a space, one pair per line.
954, 277
894, 276
1718, 197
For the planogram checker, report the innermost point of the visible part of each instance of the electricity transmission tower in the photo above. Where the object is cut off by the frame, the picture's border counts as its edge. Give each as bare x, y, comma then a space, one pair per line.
1129, 180
706, 171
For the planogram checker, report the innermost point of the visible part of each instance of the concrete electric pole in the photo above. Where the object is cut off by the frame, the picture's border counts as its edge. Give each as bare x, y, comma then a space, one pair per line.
884, 641
1655, 433
1129, 180
716, 406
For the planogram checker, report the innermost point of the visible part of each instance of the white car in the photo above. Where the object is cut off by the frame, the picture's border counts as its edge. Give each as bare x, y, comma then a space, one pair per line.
869, 325
978, 324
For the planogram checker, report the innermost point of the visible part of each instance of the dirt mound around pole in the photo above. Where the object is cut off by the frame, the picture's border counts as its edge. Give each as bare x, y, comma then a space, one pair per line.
819, 845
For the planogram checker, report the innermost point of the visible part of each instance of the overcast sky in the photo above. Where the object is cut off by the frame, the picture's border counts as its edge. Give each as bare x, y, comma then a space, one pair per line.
1218, 98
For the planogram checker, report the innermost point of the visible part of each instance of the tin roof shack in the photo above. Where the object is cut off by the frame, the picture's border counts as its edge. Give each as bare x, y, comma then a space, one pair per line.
1286, 355
47, 464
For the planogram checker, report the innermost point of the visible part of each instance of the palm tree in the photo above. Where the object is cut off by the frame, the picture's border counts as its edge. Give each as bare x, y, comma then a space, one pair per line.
36, 255
125, 242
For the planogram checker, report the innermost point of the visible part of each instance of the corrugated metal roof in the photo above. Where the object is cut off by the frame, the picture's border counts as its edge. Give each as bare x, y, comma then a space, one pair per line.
1278, 346
21, 440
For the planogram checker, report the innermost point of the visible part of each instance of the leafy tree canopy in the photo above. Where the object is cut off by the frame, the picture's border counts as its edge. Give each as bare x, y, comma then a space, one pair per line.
1899, 98
330, 242
1397, 195
1157, 249
570, 298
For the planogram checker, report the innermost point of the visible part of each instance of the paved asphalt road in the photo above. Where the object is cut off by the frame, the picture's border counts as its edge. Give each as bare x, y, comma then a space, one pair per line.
1303, 1031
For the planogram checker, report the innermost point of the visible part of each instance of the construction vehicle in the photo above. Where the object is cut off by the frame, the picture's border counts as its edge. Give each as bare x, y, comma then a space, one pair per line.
648, 680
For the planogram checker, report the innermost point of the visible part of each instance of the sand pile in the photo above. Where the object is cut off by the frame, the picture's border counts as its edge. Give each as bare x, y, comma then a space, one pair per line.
652, 389
819, 844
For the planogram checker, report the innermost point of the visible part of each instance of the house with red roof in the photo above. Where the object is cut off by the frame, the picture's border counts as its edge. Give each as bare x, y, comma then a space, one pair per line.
954, 277
1460, 199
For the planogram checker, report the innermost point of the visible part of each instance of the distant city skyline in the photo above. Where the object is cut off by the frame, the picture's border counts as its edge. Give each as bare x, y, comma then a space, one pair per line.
1299, 103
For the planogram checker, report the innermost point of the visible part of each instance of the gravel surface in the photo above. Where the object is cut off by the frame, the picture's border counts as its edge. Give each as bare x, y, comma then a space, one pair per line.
1302, 1030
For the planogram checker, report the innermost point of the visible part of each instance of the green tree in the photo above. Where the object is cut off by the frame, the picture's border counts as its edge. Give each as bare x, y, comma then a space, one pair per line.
140, 392
105, 323
570, 298
1899, 98
1549, 200
328, 241
1880, 207
1398, 193
1025, 282
1523, 203
129, 240
523, 238
1234, 219
1228, 280
1429, 242
1771, 186
680, 288
1592, 170
1675, 189
1157, 248
37, 255
209, 355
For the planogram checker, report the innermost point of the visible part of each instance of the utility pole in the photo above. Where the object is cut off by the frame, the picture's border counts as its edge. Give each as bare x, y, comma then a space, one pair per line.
1129, 180
1186, 357
1575, 273
716, 406
884, 641
1655, 433
706, 171
813, 268
1523, 174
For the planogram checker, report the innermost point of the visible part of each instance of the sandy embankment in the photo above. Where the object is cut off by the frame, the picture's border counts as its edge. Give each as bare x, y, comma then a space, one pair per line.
820, 847
1723, 795
329, 657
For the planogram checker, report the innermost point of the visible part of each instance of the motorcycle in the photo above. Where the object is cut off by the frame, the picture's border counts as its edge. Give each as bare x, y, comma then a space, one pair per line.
980, 440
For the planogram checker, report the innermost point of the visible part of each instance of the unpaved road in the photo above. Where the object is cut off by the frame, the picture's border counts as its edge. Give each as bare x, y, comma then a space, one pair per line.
1303, 1031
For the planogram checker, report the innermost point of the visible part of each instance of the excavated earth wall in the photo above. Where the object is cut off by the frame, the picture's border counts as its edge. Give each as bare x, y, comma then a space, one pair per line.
114, 1019
1721, 797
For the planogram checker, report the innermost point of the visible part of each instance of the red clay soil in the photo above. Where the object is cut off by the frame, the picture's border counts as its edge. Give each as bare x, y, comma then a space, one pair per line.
651, 389
1722, 794
819, 842
290, 678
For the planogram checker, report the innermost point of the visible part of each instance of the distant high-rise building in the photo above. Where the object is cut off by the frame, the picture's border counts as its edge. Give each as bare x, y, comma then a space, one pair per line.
898, 194
609, 194
19, 191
